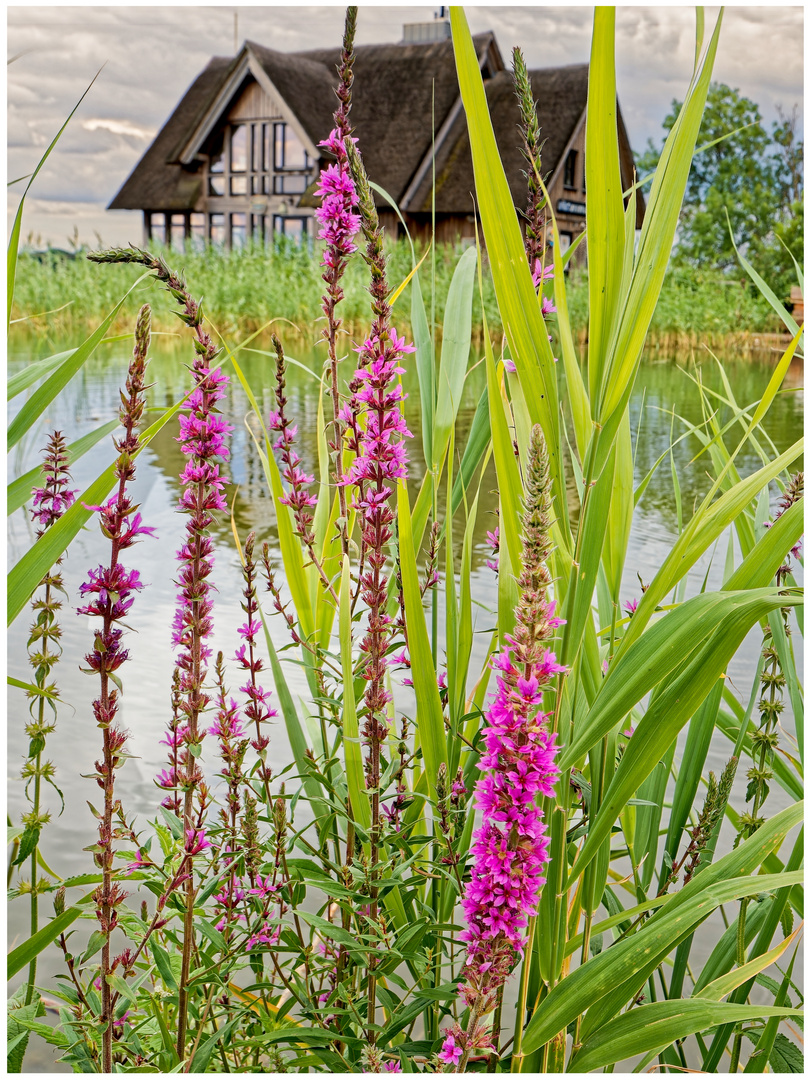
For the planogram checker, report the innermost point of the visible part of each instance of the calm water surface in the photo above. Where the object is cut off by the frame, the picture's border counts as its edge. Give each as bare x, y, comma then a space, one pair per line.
665, 392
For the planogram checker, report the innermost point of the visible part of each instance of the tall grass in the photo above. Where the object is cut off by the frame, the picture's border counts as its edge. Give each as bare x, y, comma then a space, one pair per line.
337, 918
246, 288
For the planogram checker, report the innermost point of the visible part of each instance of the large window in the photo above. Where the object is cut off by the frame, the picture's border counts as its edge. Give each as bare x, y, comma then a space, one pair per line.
258, 158
197, 230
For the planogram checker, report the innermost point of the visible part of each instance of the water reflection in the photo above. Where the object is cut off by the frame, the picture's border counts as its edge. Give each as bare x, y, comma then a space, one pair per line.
664, 392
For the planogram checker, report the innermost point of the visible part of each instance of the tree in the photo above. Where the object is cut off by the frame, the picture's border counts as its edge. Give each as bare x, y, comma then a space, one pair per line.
755, 175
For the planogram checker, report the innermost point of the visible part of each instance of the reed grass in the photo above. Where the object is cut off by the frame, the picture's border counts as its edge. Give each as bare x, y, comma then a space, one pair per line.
244, 289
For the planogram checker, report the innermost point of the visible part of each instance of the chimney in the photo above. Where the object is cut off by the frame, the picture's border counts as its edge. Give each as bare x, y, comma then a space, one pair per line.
425, 32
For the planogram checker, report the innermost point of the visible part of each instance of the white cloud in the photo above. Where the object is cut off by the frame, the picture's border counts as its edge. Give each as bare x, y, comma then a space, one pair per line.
119, 127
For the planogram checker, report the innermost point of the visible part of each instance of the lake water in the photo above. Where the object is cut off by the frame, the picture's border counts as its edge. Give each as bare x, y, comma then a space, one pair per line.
664, 392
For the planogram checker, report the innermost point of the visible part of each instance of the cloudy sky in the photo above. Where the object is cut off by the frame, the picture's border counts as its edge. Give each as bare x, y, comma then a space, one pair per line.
151, 54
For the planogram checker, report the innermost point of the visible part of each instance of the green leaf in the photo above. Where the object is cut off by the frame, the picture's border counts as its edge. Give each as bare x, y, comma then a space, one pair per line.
605, 210
517, 300
676, 702
164, 965
429, 718
457, 334
23, 955
199, 1061
607, 973
654, 1027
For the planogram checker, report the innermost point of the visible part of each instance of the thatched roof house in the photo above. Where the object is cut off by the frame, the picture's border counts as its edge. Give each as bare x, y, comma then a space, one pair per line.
239, 155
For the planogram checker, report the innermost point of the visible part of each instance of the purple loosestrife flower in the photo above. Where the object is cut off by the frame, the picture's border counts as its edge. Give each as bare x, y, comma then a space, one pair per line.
380, 460
792, 493
53, 498
339, 223
510, 849
110, 591
258, 710
298, 498
494, 538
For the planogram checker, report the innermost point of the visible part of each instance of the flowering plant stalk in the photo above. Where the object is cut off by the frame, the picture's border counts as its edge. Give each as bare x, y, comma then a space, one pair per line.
511, 848
49, 503
110, 593
339, 223
380, 460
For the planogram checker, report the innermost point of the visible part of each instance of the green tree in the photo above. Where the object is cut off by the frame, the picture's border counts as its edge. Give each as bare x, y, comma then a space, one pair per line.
754, 175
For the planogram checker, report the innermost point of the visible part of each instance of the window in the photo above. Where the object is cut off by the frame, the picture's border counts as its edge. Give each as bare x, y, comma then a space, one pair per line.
570, 171
157, 228
257, 228
290, 183
216, 167
178, 231
289, 150
293, 227
238, 230
238, 148
565, 242
197, 228
217, 227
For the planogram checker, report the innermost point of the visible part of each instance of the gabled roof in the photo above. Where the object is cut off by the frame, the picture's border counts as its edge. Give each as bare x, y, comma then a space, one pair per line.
398, 89
561, 95
158, 182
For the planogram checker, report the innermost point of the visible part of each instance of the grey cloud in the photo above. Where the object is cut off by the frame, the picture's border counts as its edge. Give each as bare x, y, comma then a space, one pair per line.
152, 54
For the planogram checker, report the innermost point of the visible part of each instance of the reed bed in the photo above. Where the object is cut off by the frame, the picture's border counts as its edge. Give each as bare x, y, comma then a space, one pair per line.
246, 288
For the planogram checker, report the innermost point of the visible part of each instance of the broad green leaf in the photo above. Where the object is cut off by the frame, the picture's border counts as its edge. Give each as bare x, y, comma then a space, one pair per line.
605, 210
703, 529
718, 989
517, 300
292, 556
677, 701
611, 969
457, 334
23, 955
653, 1027
429, 718
660, 651
477, 442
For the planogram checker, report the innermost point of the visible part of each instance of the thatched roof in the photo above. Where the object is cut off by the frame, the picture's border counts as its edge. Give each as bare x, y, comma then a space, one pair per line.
561, 95
391, 113
402, 93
